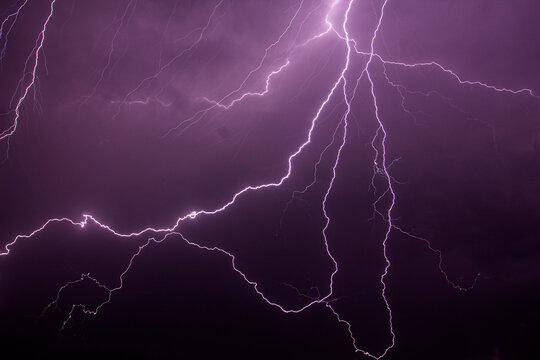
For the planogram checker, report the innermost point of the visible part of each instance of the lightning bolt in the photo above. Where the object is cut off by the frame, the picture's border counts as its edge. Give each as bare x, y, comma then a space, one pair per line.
7, 133
344, 86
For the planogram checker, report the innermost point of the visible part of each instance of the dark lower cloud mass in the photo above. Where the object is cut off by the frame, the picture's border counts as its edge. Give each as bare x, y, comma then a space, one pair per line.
270, 179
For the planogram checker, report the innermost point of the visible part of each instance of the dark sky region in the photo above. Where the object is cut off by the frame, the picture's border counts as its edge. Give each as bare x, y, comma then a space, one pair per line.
94, 137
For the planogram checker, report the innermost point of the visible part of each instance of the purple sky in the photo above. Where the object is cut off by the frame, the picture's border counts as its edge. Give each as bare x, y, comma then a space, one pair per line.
118, 123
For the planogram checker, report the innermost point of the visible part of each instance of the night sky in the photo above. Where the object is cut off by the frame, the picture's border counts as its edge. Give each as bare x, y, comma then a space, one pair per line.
258, 118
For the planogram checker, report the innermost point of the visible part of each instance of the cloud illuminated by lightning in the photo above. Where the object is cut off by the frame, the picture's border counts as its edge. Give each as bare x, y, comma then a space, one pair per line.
341, 88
